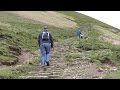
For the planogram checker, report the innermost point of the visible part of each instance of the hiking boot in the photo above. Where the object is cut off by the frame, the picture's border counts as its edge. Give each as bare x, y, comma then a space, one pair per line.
48, 64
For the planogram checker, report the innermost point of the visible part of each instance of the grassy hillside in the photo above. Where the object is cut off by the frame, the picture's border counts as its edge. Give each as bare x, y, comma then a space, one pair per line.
19, 32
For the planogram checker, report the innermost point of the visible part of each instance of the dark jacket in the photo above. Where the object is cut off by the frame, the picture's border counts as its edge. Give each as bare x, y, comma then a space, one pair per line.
40, 41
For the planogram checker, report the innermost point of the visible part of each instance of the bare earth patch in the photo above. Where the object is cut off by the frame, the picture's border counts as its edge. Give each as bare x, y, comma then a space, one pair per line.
111, 40
48, 17
108, 36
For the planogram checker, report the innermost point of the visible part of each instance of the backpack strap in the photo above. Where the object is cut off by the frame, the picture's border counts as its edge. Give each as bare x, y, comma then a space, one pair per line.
48, 34
43, 34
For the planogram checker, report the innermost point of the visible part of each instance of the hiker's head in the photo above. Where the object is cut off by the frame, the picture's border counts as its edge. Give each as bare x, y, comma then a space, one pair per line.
78, 29
45, 28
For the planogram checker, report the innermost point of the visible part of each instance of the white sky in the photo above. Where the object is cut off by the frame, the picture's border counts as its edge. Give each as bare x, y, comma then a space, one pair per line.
110, 17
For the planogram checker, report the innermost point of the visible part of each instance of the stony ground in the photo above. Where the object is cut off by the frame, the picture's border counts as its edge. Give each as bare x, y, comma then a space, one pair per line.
62, 69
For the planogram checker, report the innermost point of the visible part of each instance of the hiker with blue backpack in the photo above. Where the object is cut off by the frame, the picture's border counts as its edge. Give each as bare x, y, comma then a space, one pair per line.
45, 42
79, 34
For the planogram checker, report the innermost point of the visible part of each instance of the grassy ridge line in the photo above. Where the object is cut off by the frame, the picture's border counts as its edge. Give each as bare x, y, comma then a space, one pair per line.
83, 18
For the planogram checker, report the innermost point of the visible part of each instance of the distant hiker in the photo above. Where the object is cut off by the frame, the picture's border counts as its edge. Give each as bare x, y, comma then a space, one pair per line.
45, 42
79, 34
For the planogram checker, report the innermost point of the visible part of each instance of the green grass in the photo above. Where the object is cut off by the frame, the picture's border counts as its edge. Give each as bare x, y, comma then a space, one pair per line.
19, 71
73, 56
104, 56
113, 75
10, 73
6, 74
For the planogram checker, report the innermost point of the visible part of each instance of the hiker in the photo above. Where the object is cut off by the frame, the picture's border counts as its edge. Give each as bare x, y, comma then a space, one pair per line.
46, 44
79, 34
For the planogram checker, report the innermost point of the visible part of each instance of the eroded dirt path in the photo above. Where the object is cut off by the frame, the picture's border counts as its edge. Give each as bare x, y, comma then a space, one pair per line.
62, 69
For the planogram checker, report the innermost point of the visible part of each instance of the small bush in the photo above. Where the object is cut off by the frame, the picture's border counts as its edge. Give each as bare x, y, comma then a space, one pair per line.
72, 56
6, 74
85, 45
106, 56
11, 60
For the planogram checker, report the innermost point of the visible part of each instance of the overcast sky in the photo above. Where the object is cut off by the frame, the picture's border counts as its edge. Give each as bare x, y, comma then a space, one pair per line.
110, 17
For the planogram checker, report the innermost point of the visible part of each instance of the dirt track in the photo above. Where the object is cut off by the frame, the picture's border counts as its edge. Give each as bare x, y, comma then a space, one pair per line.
48, 17
62, 69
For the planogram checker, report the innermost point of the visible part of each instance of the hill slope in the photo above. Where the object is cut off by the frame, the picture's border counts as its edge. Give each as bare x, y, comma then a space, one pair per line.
19, 32
48, 17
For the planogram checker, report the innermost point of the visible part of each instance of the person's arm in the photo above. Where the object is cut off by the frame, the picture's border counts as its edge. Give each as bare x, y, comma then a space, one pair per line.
51, 40
39, 40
